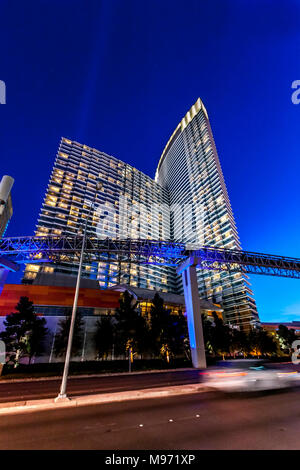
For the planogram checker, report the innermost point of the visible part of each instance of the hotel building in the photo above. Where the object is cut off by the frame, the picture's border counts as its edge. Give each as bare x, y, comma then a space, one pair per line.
189, 169
124, 204
187, 202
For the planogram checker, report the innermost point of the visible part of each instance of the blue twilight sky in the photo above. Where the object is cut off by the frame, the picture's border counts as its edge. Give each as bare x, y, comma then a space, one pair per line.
118, 75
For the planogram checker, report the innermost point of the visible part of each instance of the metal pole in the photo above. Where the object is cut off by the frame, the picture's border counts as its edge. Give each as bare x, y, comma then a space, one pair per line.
53, 342
62, 394
63, 389
84, 339
129, 355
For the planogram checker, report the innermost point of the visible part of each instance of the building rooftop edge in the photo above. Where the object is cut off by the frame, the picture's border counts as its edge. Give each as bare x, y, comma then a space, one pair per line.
70, 141
192, 112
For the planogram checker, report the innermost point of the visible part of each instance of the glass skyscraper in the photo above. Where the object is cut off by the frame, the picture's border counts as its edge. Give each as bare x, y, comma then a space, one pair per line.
186, 202
190, 170
124, 203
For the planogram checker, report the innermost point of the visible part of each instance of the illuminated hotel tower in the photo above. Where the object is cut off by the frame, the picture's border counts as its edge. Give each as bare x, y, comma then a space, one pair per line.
72, 185
186, 202
190, 170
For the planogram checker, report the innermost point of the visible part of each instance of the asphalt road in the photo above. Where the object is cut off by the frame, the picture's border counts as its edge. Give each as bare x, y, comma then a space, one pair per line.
199, 421
19, 391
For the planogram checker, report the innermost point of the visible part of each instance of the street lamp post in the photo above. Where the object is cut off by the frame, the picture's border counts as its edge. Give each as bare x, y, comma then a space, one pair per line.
63, 388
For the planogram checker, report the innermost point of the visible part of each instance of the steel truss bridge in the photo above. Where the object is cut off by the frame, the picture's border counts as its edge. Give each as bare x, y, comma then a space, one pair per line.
65, 249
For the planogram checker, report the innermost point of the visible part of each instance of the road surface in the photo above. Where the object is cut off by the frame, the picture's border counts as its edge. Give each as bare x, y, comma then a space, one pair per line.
19, 391
199, 421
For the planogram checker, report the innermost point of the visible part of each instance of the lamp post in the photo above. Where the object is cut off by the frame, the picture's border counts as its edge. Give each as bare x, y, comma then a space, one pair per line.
63, 388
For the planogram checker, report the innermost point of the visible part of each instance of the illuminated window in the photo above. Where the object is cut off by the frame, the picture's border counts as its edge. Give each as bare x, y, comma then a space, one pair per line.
48, 269
63, 205
30, 275
49, 202
32, 268
54, 188
63, 155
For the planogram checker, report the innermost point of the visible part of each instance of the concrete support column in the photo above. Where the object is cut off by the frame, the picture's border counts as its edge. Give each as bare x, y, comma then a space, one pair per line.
192, 304
3, 275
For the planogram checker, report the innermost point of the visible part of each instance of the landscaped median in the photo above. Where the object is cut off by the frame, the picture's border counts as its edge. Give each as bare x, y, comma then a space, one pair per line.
51, 404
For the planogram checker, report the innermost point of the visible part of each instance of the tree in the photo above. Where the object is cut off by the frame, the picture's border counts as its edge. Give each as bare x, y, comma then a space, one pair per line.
180, 342
168, 331
24, 332
130, 327
220, 337
208, 334
286, 337
262, 343
61, 338
238, 342
104, 336
158, 324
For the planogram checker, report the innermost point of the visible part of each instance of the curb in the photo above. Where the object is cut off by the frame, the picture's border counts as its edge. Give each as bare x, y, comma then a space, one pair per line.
86, 376
50, 404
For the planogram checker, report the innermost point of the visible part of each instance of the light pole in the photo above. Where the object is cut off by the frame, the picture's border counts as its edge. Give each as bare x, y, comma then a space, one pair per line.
63, 388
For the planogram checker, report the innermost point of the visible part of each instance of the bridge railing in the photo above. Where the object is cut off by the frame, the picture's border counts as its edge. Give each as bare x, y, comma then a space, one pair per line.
157, 252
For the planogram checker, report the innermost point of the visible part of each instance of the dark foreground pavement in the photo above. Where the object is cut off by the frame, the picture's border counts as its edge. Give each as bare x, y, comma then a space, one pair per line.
198, 421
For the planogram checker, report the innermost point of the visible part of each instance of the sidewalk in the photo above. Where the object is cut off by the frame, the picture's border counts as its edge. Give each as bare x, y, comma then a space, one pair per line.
147, 393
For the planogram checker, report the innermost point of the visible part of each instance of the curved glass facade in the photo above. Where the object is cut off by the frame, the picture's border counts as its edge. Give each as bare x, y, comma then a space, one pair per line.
189, 169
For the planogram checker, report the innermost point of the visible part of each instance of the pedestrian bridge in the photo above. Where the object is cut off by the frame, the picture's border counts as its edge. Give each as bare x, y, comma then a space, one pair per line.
186, 258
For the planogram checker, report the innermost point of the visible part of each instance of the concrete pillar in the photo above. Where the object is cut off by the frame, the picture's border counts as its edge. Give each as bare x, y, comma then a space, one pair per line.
3, 275
192, 304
